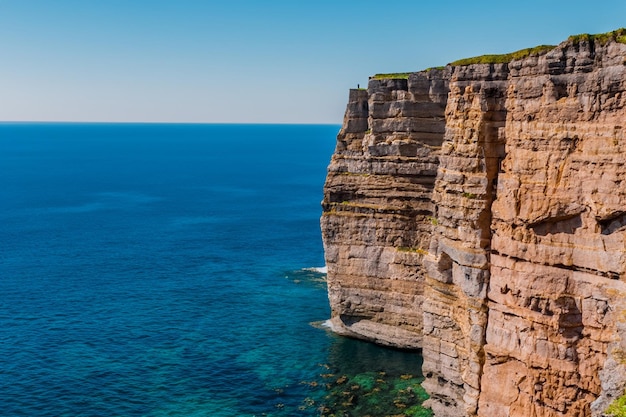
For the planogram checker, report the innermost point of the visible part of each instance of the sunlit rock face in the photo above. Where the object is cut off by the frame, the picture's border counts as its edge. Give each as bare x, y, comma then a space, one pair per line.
558, 257
377, 220
478, 212
455, 310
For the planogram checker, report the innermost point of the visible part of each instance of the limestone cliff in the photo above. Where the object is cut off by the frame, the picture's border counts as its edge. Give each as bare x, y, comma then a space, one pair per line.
478, 212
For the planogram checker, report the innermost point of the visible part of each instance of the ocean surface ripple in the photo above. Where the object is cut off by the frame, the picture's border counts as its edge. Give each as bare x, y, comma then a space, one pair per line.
167, 270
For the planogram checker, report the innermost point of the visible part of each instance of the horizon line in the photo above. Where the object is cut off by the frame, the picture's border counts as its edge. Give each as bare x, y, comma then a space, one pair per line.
162, 122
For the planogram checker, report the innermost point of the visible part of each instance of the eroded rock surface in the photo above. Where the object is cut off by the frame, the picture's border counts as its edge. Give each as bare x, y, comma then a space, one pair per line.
378, 209
558, 258
478, 212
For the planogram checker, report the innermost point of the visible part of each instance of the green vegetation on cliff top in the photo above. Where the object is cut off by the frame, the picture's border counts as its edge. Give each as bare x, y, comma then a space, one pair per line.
399, 75
393, 76
618, 35
504, 58
617, 407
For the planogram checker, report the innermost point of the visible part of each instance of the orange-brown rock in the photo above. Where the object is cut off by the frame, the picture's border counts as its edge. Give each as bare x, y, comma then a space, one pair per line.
558, 258
478, 212
455, 307
377, 208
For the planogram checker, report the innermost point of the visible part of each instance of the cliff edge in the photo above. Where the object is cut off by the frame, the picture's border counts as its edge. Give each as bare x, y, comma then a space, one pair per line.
478, 212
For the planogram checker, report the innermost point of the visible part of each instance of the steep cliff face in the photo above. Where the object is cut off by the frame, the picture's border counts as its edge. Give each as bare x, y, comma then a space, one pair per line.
558, 258
455, 307
479, 212
377, 208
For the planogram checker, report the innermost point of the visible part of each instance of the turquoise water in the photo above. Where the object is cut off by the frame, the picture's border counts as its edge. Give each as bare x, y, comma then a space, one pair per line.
165, 270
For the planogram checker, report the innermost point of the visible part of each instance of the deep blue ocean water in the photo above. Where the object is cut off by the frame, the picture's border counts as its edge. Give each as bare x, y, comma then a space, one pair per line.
164, 270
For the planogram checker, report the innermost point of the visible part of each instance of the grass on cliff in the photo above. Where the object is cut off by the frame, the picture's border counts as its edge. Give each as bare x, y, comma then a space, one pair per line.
618, 35
412, 250
504, 58
393, 76
617, 407
400, 75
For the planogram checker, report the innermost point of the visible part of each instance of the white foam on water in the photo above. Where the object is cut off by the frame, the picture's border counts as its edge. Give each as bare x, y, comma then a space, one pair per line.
320, 269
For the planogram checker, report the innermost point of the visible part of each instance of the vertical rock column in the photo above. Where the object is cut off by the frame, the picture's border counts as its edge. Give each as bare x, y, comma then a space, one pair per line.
455, 305
555, 339
377, 206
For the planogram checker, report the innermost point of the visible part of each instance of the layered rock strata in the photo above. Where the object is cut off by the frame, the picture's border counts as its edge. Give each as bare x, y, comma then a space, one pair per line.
558, 257
478, 212
455, 307
377, 207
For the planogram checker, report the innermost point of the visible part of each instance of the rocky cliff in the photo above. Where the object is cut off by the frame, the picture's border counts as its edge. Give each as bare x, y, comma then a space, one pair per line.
478, 213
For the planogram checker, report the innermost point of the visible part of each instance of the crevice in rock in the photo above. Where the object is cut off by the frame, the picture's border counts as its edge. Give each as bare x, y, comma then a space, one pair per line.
604, 274
567, 224
445, 268
613, 223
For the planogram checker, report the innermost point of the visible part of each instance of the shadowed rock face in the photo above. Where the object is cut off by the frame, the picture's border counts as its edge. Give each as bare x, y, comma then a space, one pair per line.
479, 213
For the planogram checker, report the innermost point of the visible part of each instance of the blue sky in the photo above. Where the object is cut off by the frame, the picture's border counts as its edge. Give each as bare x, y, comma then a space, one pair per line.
244, 61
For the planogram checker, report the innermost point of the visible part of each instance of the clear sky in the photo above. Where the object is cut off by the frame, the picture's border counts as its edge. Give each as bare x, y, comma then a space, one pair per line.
246, 61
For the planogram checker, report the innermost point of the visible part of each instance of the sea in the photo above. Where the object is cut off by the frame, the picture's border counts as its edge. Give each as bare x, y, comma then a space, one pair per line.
176, 270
